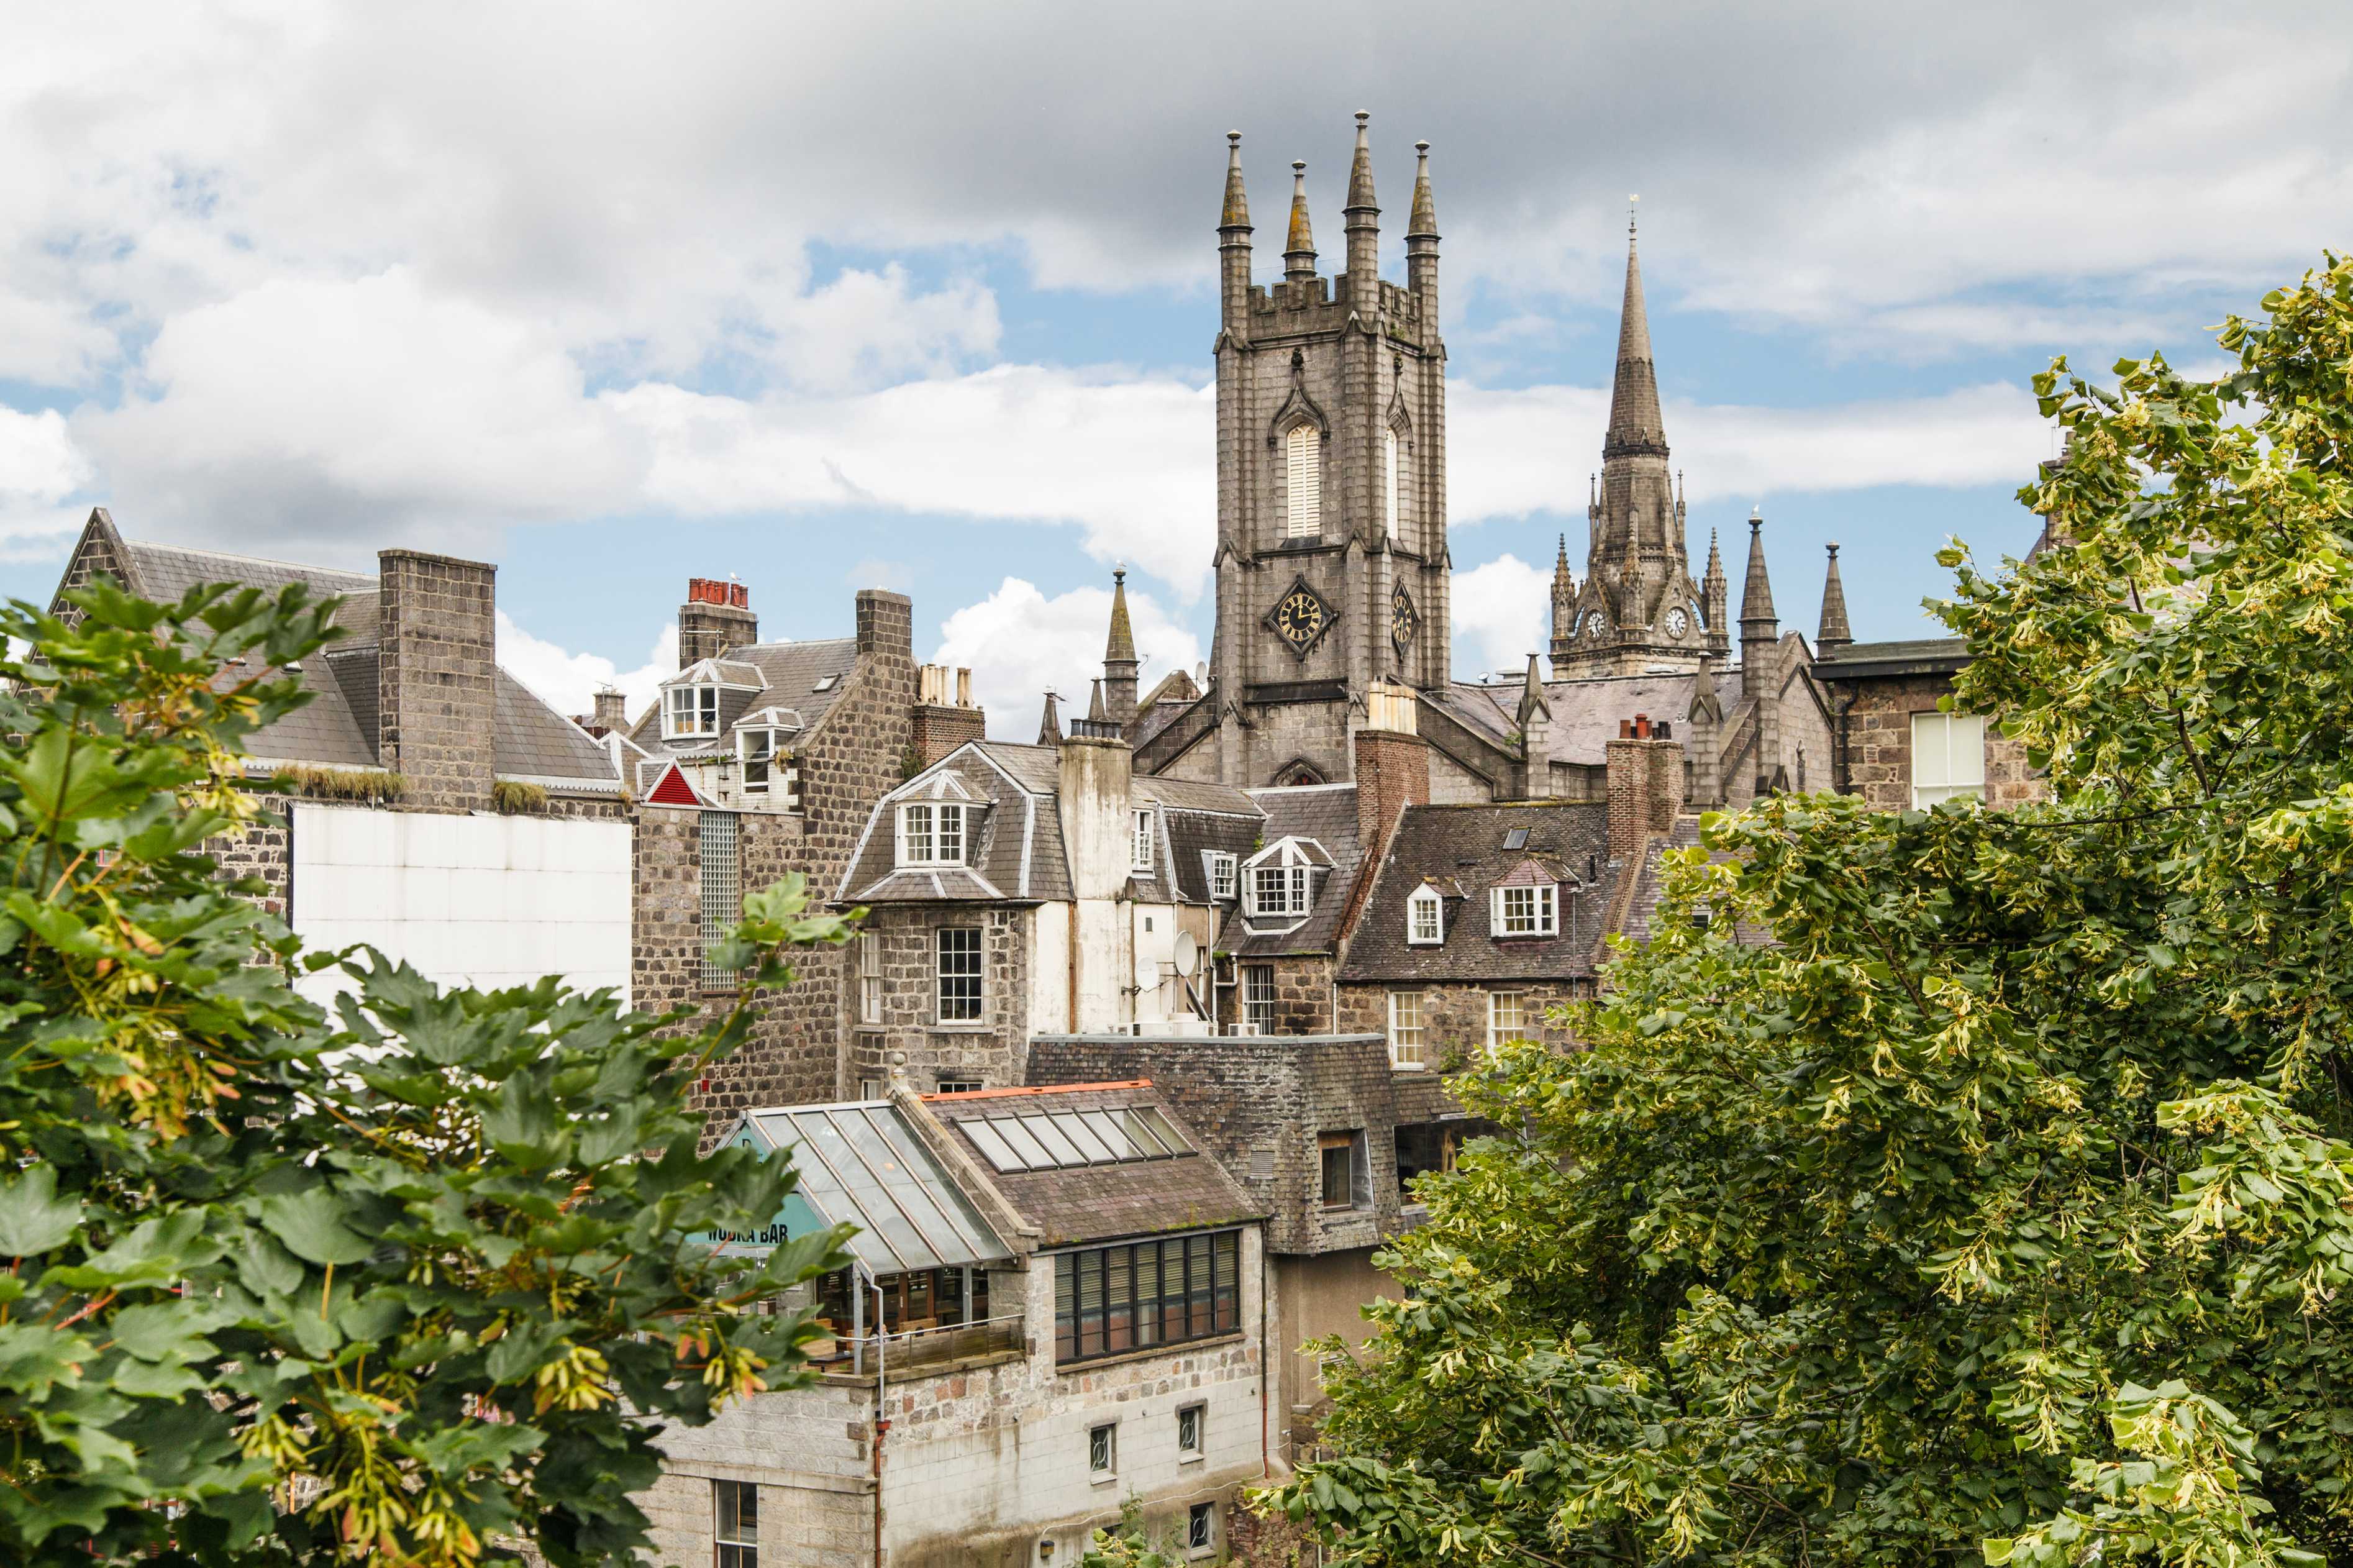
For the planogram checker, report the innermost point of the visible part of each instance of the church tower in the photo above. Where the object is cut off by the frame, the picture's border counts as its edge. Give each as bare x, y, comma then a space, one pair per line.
1639, 608
1332, 561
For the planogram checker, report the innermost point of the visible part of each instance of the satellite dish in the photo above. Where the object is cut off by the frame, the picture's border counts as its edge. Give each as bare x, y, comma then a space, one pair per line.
1188, 954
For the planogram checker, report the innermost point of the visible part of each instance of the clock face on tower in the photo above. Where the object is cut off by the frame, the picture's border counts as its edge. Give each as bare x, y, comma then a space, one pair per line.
1299, 618
1404, 620
1595, 625
1678, 622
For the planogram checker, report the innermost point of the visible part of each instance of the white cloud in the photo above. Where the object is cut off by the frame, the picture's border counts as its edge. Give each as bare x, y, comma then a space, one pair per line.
1512, 452
568, 682
1018, 644
39, 467
1500, 613
1129, 460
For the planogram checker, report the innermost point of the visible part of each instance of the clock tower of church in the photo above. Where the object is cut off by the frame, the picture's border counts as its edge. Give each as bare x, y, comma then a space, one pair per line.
1331, 562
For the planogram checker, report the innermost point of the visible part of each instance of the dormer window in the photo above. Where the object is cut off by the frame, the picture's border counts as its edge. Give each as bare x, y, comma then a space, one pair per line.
931, 833
690, 713
1222, 873
769, 769
1140, 853
1424, 918
1530, 910
1278, 883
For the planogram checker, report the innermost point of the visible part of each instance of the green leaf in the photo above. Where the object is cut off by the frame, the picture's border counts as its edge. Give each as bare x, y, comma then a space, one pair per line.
33, 1219
311, 1224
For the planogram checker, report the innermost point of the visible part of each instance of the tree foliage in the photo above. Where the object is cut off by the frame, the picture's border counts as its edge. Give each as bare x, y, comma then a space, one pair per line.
413, 1282
2004, 1203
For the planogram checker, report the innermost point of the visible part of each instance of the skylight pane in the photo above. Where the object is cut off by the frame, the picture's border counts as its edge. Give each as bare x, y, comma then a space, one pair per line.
1516, 838
1121, 1145
1162, 1128
1064, 1151
1032, 1152
1091, 1148
985, 1139
1136, 1128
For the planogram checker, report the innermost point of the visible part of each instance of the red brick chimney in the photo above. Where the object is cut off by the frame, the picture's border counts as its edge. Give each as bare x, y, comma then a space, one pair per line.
1645, 785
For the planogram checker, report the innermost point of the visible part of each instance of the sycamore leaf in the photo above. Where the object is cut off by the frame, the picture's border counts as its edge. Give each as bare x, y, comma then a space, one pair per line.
33, 1219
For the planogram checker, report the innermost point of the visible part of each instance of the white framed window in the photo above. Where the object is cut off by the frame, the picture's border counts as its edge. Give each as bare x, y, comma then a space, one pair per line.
873, 1089
1140, 856
1405, 1031
959, 974
1507, 1017
1948, 757
1222, 879
1191, 1424
1424, 918
690, 712
735, 1524
1103, 1451
1258, 997
869, 977
1278, 891
1303, 482
961, 1085
1530, 911
768, 769
931, 833
1393, 477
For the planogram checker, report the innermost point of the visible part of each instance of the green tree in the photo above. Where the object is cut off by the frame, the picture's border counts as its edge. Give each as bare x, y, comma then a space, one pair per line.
413, 1283
1870, 1246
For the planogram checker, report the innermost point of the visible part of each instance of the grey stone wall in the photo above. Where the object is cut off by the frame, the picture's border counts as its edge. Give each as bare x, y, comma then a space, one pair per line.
1302, 994
990, 1050
1454, 1020
1878, 760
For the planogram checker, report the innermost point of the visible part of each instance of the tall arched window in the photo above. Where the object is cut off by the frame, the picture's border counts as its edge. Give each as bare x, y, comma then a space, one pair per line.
1392, 476
1303, 487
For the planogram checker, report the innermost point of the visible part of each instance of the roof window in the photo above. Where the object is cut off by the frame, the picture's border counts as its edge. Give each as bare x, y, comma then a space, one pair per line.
1057, 1140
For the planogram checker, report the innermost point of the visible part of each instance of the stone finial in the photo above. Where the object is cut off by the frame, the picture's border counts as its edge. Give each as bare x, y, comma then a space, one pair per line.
1237, 210
1423, 225
1121, 646
1360, 170
1834, 634
1050, 725
1095, 710
1756, 589
1299, 253
1635, 422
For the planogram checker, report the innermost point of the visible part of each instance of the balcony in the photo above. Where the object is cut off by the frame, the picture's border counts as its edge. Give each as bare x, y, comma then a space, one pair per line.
922, 1351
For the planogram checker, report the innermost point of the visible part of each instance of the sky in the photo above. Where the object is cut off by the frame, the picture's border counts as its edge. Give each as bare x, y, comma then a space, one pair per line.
922, 297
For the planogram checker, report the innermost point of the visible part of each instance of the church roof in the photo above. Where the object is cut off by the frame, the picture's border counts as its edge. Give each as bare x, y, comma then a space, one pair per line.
1635, 423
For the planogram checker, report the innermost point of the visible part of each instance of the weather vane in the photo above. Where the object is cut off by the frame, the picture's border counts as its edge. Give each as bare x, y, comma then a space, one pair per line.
1631, 201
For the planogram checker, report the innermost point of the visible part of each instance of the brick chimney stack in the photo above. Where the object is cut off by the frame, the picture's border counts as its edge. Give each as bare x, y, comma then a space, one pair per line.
944, 716
1392, 765
436, 677
612, 710
1645, 785
716, 617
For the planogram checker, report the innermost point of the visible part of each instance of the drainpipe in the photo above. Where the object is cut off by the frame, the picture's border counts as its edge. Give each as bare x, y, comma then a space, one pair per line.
882, 1424
1265, 1373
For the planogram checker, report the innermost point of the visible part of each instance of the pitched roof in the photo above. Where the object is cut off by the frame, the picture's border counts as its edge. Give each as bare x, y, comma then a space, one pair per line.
806, 677
1102, 1200
1461, 851
338, 728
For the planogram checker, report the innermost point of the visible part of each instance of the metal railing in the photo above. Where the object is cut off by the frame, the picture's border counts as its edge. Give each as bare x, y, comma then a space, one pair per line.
915, 1348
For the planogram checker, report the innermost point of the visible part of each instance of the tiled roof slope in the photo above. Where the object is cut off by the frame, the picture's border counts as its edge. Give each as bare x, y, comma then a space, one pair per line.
1327, 814
793, 671
338, 728
1461, 849
1104, 1202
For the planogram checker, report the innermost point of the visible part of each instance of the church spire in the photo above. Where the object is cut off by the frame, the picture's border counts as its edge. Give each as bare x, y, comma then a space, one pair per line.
1050, 724
1236, 209
1834, 634
1635, 423
1714, 593
1298, 255
1363, 216
1360, 171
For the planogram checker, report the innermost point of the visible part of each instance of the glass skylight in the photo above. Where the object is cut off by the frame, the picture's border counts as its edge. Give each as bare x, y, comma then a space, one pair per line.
1058, 1140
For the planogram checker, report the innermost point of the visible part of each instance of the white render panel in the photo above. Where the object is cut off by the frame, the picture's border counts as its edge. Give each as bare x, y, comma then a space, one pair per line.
479, 900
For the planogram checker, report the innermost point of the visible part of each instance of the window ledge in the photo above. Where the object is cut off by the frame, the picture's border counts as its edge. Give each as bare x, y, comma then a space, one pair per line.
1192, 1459
1103, 1478
981, 1027
1182, 1347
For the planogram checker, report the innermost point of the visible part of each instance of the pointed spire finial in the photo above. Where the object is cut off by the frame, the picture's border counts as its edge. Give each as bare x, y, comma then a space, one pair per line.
1756, 590
1050, 725
1237, 210
1631, 202
1834, 634
1095, 710
1424, 222
1120, 647
1299, 254
1360, 171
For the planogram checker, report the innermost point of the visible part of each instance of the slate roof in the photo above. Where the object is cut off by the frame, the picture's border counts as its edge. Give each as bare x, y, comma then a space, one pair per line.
1585, 714
793, 672
338, 728
1649, 884
1108, 1201
1326, 814
1460, 848
1917, 656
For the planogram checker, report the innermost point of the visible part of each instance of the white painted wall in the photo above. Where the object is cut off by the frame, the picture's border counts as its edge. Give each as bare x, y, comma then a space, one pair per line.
485, 901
